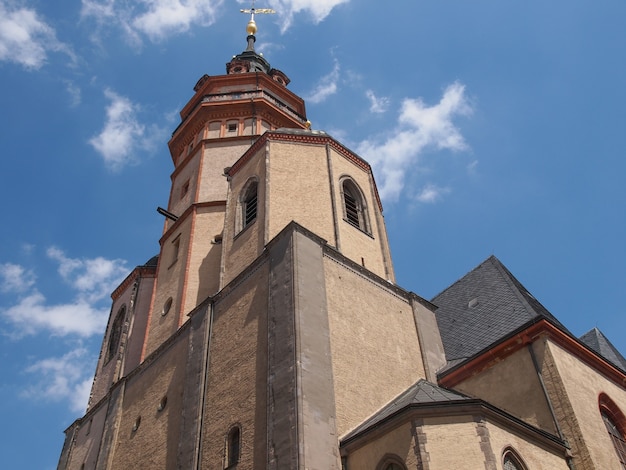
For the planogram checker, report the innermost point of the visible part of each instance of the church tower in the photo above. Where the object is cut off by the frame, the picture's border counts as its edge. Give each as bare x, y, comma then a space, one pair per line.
269, 332
270, 324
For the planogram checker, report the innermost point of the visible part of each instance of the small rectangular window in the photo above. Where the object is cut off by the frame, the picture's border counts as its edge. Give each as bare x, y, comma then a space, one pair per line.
232, 127
175, 249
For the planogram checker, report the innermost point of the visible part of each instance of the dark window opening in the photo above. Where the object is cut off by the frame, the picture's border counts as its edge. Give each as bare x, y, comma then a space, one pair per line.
116, 334
352, 209
234, 445
250, 205
616, 437
354, 206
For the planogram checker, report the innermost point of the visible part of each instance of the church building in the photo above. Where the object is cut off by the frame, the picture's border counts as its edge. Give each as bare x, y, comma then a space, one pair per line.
270, 333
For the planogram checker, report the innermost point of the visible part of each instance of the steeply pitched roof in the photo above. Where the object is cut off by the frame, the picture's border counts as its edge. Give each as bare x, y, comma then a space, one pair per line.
483, 307
420, 393
600, 344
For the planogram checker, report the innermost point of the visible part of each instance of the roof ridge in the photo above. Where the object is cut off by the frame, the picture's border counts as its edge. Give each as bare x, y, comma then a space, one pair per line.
510, 278
475, 268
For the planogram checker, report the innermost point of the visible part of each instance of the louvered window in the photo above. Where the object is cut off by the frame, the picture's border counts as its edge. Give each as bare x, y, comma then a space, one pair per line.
354, 206
250, 205
352, 209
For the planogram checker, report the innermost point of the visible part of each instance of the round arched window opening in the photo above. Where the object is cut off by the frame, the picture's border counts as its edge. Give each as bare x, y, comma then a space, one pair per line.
615, 423
167, 306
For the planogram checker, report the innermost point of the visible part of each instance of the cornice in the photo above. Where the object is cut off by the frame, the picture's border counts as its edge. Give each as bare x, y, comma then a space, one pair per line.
304, 137
190, 210
523, 337
469, 407
139, 271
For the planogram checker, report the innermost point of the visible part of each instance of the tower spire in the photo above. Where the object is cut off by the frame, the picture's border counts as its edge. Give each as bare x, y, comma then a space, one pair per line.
251, 28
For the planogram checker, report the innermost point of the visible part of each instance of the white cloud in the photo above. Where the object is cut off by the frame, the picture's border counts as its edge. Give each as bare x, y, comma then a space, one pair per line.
32, 315
92, 280
377, 104
318, 9
164, 17
123, 135
26, 39
156, 19
419, 127
326, 87
63, 378
431, 193
15, 278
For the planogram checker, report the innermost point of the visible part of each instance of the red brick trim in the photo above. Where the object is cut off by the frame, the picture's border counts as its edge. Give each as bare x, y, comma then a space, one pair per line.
520, 340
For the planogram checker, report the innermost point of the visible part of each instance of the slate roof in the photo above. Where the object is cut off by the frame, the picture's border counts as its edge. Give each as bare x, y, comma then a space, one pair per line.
600, 344
483, 307
420, 393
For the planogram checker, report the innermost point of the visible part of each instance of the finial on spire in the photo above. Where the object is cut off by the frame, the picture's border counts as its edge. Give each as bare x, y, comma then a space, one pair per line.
251, 27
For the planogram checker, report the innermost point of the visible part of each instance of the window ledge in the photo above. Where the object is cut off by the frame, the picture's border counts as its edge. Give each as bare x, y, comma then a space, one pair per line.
358, 228
243, 230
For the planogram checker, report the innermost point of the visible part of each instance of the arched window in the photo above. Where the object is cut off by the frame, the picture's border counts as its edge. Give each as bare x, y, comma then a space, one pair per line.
393, 466
512, 461
248, 204
354, 208
391, 462
116, 334
234, 445
615, 424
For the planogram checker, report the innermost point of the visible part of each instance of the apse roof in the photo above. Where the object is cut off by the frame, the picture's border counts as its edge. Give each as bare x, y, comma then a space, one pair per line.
483, 307
596, 340
420, 393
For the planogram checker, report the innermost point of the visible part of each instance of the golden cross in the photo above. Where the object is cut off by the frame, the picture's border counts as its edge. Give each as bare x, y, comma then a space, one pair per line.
254, 11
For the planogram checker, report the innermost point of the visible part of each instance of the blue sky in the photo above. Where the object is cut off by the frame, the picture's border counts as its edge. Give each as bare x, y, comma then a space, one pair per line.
493, 127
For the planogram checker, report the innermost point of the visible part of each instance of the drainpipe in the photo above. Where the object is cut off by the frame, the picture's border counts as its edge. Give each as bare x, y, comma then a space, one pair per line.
203, 386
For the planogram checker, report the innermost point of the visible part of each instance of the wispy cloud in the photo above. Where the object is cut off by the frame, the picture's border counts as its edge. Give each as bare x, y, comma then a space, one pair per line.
377, 104
326, 86
92, 279
75, 93
27, 39
165, 17
431, 193
419, 127
155, 19
32, 315
122, 136
159, 19
15, 278
317, 9
66, 378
